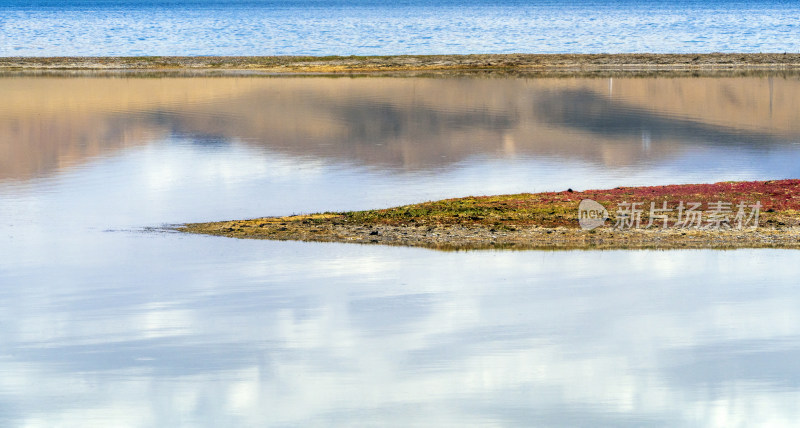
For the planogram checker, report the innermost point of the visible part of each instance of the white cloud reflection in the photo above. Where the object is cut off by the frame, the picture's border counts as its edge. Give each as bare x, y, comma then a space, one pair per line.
495, 338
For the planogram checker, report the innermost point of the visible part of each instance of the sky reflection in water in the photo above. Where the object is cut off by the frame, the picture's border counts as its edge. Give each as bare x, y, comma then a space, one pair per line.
105, 322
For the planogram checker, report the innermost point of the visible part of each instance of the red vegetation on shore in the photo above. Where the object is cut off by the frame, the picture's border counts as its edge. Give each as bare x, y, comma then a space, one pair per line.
776, 195
553, 209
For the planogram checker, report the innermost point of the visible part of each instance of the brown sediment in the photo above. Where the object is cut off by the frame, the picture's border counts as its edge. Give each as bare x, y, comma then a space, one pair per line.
350, 64
545, 221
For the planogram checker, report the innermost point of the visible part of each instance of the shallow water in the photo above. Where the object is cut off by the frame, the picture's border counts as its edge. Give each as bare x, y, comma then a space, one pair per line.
380, 27
106, 322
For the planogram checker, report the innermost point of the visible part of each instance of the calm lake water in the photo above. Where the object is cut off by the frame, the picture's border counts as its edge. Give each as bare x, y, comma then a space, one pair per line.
380, 27
105, 322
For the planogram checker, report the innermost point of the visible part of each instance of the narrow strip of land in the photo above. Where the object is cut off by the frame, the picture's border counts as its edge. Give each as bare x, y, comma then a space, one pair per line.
759, 214
350, 64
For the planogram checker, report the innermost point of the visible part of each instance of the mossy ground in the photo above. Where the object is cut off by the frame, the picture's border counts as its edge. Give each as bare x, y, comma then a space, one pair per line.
494, 221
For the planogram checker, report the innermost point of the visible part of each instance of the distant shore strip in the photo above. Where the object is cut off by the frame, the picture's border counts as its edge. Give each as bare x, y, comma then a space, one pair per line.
365, 64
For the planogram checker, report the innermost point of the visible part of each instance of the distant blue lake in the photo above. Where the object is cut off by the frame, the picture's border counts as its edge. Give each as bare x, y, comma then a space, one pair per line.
362, 27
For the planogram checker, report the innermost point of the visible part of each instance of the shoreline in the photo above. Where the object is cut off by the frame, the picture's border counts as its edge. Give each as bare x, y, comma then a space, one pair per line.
417, 63
541, 221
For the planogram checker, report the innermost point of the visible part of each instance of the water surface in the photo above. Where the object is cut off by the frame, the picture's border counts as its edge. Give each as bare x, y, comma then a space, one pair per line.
380, 27
106, 323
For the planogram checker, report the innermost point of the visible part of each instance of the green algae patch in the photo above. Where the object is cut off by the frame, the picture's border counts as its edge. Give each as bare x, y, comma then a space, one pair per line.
759, 214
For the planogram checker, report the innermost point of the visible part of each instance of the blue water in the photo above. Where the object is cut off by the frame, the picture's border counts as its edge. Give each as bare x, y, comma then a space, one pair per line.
363, 27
